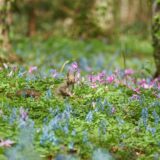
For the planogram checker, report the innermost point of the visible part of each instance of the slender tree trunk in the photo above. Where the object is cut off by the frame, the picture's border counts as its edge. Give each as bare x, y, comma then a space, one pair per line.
156, 35
6, 52
4, 26
31, 22
32, 17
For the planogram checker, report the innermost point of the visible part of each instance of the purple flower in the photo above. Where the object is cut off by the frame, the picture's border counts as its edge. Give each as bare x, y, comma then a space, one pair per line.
90, 78
113, 110
135, 97
54, 73
23, 114
73, 67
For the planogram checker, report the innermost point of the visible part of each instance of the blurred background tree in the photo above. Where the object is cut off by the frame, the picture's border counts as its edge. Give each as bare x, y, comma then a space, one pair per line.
156, 35
5, 22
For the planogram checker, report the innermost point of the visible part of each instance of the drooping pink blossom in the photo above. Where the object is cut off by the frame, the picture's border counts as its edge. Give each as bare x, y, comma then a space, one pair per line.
128, 72
110, 79
101, 77
142, 81
137, 90
6, 143
32, 69
144, 84
92, 78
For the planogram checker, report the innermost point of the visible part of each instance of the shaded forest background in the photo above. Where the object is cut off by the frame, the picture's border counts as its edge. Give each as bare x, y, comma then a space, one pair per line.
101, 19
96, 18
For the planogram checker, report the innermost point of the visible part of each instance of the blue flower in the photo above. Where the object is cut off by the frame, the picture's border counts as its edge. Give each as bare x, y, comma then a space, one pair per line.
145, 116
89, 117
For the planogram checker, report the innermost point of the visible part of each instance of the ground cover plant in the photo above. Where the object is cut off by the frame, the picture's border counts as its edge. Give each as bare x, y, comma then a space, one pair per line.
79, 108
80, 80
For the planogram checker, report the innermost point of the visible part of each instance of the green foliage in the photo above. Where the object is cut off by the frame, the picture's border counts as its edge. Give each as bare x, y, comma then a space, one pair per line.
123, 127
91, 124
100, 54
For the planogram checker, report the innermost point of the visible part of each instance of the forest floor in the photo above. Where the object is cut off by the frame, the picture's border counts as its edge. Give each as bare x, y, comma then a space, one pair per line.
80, 100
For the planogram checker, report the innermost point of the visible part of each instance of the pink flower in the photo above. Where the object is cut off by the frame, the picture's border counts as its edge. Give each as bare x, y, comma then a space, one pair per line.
128, 72
137, 90
6, 143
74, 65
110, 79
146, 85
92, 78
158, 86
32, 69
101, 77
142, 82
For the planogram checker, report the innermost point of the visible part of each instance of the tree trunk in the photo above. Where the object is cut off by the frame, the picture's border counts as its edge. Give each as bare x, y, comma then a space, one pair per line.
31, 22
32, 17
156, 35
4, 26
6, 53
